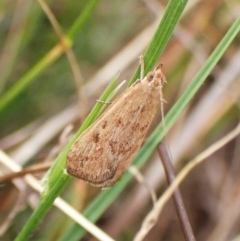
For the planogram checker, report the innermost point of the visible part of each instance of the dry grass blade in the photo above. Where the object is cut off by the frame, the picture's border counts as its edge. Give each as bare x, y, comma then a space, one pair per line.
164, 154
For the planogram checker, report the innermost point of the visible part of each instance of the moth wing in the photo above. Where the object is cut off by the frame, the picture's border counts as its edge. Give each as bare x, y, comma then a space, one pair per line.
105, 150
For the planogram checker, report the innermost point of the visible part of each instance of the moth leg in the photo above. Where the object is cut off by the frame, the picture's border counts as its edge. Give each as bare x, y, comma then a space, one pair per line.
141, 62
103, 102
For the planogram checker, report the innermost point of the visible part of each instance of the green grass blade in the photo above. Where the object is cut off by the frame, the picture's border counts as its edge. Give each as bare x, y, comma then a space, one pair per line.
23, 82
164, 31
105, 198
55, 180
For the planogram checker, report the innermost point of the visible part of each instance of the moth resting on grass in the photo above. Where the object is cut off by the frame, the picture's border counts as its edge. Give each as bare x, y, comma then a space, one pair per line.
105, 150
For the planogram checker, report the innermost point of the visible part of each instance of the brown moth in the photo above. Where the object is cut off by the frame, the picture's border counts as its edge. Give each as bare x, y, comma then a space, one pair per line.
105, 150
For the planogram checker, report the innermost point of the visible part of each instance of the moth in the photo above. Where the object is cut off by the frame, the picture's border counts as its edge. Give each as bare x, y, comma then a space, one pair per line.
105, 150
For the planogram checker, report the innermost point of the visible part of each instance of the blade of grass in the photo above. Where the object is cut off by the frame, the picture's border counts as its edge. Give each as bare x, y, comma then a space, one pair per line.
106, 197
49, 58
56, 179
164, 31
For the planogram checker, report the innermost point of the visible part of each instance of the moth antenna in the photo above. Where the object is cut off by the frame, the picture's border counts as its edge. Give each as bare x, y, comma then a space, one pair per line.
163, 81
162, 110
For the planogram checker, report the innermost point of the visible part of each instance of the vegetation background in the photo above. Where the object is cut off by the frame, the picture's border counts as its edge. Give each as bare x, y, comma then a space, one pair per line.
57, 90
